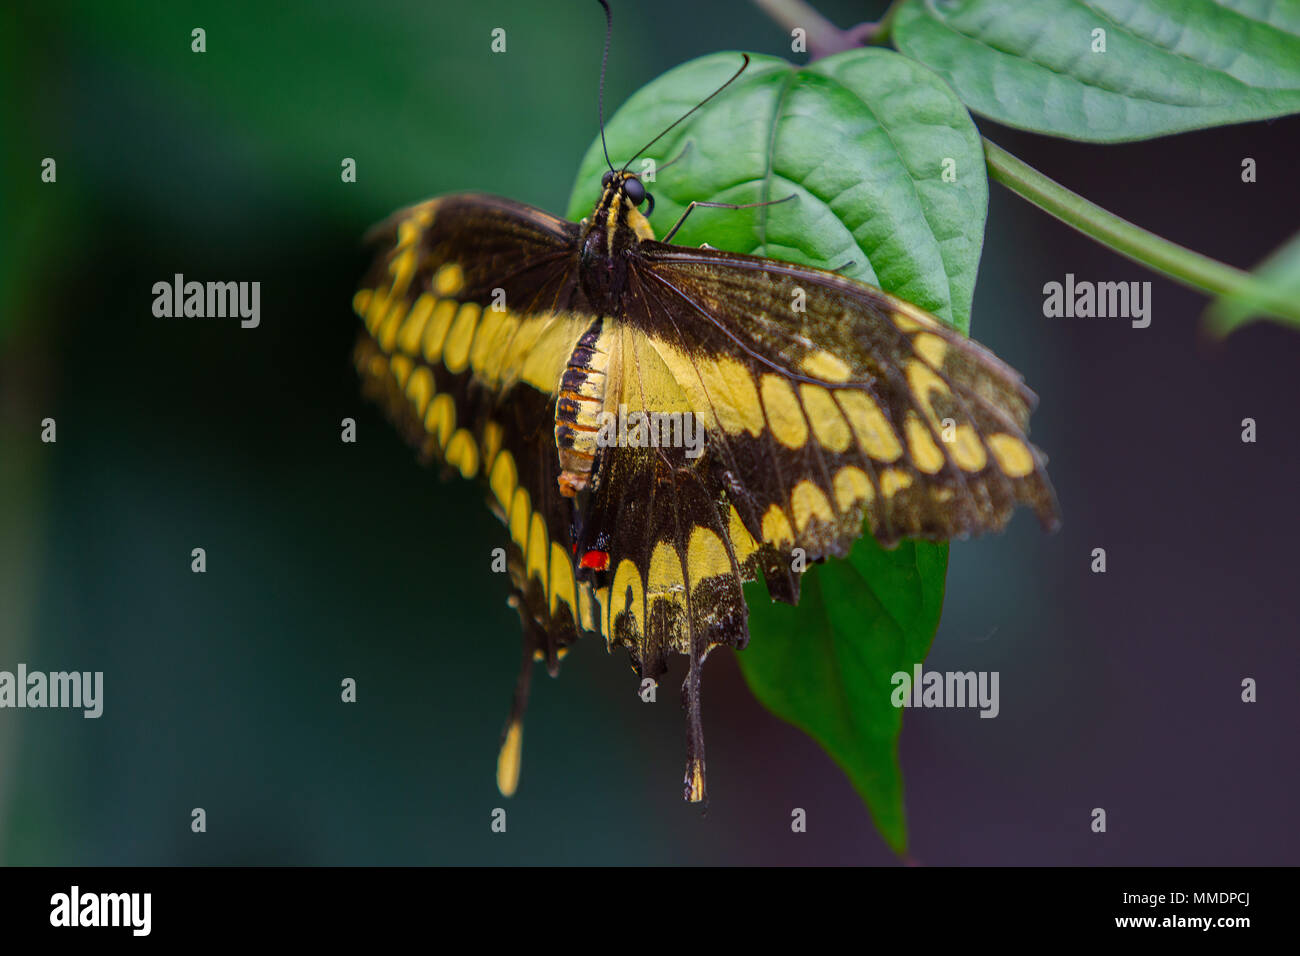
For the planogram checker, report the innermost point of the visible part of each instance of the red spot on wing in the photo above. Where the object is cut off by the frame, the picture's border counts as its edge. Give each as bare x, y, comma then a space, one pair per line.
596, 560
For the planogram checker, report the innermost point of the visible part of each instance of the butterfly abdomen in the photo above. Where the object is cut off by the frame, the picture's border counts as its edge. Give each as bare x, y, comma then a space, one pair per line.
577, 410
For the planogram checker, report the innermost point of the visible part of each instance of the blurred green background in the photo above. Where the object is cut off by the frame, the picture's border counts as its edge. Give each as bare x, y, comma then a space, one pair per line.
328, 560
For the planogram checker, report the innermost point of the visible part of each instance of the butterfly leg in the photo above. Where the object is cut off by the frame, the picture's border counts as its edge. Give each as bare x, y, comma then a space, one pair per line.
721, 205
512, 738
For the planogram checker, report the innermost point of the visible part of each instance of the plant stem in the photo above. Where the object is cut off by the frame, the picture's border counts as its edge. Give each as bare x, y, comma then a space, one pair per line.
1131, 241
824, 37
885, 25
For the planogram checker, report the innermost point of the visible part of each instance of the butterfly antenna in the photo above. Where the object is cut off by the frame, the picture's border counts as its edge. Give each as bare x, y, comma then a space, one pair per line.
735, 76
600, 97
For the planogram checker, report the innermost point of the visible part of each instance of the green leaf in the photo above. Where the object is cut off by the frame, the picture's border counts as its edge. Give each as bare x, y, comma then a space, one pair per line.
863, 139
1168, 65
1279, 277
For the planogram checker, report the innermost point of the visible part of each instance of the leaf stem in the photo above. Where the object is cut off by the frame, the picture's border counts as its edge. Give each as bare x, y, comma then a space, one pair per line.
1131, 241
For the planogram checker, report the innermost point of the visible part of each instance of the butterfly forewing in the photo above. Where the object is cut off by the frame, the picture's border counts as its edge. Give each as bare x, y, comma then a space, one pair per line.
470, 317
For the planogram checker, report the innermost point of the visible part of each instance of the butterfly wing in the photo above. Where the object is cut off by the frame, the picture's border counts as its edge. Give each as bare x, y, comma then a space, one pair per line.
827, 406
829, 402
471, 310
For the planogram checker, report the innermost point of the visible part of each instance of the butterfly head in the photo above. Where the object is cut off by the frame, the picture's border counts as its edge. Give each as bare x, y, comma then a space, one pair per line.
610, 236
627, 186
616, 225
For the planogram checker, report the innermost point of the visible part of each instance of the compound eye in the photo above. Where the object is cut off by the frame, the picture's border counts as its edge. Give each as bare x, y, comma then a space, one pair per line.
607, 178
635, 191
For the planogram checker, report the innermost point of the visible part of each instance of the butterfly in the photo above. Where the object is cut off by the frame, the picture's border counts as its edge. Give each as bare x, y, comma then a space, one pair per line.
658, 424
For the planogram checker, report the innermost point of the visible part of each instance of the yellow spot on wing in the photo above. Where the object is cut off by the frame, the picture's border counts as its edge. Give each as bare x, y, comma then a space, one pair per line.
402, 267
408, 230
893, 481
926, 455
423, 213
827, 367
408, 339
627, 577
851, 486
519, 518
665, 577
376, 310
387, 334
706, 556
440, 419
733, 395
361, 302
449, 280
562, 583
1012, 455
485, 339
588, 619
401, 366
492, 434
463, 453
931, 348
537, 550
419, 388
827, 420
435, 333
509, 758
909, 318
784, 415
967, 450
503, 479
776, 528
455, 354
869, 424
807, 501
742, 542
925, 384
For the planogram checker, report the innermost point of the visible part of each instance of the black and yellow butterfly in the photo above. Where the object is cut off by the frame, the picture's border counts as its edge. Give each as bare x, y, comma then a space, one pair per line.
502, 339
